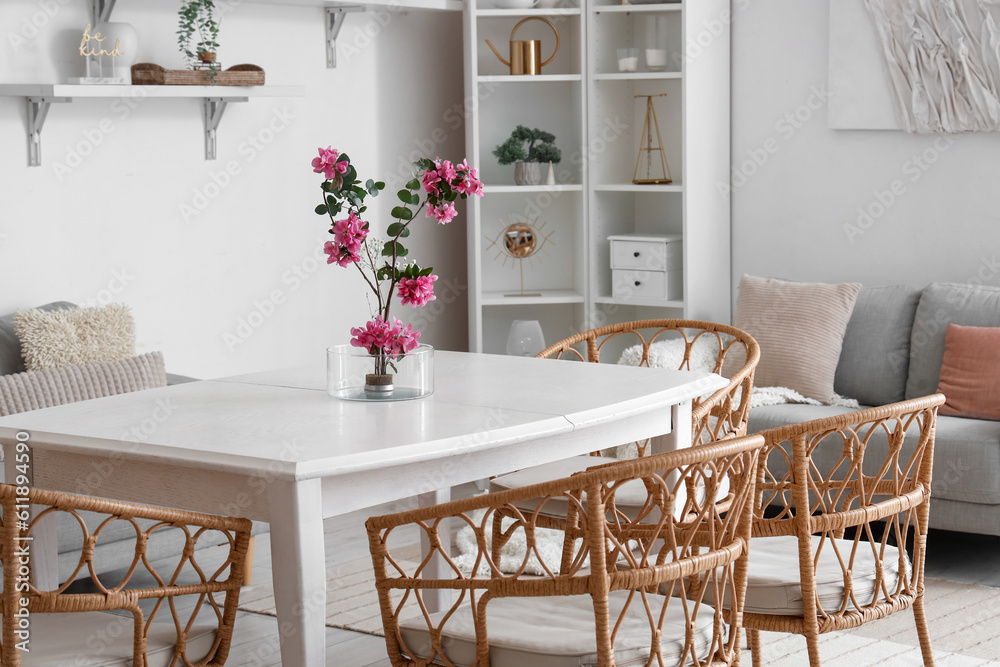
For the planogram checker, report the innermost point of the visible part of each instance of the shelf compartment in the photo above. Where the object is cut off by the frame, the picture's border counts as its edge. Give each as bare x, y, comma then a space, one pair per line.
635, 187
528, 189
534, 11
629, 9
655, 303
548, 296
637, 76
528, 78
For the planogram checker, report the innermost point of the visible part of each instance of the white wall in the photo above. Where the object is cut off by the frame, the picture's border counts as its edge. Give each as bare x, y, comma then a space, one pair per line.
250, 246
796, 212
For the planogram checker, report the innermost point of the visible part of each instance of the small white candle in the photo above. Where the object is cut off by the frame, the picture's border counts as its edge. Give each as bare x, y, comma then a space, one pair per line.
628, 64
656, 58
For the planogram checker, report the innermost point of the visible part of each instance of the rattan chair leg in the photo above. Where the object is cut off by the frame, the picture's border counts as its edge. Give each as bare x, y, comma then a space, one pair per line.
812, 643
248, 565
755, 650
925, 638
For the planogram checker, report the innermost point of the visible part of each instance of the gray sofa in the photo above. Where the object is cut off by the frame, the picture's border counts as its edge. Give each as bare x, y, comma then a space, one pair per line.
892, 351
115, 549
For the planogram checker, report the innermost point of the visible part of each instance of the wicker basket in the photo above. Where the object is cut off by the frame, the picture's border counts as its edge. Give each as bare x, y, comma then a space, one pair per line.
148, 74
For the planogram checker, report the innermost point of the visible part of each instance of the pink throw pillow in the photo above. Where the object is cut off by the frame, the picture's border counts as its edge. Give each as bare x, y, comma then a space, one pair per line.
970, 372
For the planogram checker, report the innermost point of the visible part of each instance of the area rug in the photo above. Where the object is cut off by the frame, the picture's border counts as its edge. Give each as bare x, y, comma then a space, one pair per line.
964, 622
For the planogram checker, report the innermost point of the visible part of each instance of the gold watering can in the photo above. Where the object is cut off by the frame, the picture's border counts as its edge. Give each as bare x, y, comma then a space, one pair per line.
526, 55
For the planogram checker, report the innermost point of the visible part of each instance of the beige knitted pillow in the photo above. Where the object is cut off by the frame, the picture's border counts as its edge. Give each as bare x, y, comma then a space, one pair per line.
800, 329
34, 390
75, 337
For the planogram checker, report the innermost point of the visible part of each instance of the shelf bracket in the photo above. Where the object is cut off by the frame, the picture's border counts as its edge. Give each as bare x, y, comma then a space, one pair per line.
38, 111
334, 22
214, 108
102, 10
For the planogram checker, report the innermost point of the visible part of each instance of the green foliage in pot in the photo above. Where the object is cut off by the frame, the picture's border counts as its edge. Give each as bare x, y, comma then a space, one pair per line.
528, 145
197, 16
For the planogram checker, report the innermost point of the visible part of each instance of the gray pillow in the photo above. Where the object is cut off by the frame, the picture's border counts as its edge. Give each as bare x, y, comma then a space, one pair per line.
942, 304
875, 357
11, 360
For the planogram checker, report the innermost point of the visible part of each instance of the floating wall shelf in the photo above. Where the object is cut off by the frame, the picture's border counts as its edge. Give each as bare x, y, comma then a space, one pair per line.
40, 97
335, 13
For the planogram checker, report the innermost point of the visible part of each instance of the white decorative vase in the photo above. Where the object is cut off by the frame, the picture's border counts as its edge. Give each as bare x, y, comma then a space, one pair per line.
527, 173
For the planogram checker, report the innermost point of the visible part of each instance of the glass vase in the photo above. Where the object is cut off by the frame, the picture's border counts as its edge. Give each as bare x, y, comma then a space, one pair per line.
353, 374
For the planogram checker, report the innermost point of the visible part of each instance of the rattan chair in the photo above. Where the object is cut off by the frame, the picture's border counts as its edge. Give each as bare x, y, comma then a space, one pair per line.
837, 500
719, 416
602, 607
199, 636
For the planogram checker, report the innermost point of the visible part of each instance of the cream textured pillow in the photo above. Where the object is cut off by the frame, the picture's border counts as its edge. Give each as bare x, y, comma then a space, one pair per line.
34, 390
800, 329
75, 337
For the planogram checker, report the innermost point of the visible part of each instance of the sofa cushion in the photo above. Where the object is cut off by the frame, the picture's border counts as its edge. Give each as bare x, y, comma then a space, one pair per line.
800, 329
875, 357
75, 337
11, 359
942, 304
970, 372
966, 451
33, 390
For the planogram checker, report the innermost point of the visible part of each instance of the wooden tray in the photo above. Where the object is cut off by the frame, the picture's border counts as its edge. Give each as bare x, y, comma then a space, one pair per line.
148, 74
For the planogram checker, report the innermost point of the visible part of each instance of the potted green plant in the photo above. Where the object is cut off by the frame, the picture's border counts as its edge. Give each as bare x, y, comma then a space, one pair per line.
198, 16
527, 148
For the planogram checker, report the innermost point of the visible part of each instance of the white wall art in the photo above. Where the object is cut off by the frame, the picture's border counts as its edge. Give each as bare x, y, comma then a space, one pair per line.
923, 66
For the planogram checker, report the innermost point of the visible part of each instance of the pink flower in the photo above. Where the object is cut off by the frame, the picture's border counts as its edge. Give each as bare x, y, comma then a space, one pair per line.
470, 183
404, 339
378, 337
417, 291
431, 179
348, 235
327, 163
374, 337
446, 170
443, 213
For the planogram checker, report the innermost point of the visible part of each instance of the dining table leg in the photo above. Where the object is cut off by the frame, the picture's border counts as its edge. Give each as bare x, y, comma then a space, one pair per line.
44, 546
298, 562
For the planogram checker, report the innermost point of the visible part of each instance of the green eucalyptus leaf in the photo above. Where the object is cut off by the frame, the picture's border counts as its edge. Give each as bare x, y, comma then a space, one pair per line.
394, 228
380, 185
387, 249
401, 251
322, 209
413, 184
402, 213
404, 196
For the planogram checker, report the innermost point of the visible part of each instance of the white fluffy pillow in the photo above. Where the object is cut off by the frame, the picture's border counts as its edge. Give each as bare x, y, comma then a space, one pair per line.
75, 337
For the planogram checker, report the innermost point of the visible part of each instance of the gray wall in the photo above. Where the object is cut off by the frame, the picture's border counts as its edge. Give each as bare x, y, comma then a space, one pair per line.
814, 204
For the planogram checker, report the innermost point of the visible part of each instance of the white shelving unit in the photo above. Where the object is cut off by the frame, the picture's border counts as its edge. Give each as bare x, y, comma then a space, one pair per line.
554, 101
590, 106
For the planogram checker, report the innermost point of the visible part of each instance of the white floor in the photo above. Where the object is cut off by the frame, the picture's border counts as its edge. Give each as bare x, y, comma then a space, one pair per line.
953, 556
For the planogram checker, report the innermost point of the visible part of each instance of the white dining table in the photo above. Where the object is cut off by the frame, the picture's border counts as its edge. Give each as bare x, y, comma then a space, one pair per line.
274, 447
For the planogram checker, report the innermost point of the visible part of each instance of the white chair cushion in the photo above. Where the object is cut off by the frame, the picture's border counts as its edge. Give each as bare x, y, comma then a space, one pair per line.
773, 585
559, 632
629, 498
103, 639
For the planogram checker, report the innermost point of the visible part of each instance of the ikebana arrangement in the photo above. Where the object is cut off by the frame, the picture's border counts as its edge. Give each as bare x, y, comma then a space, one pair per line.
527, 148
383, 263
